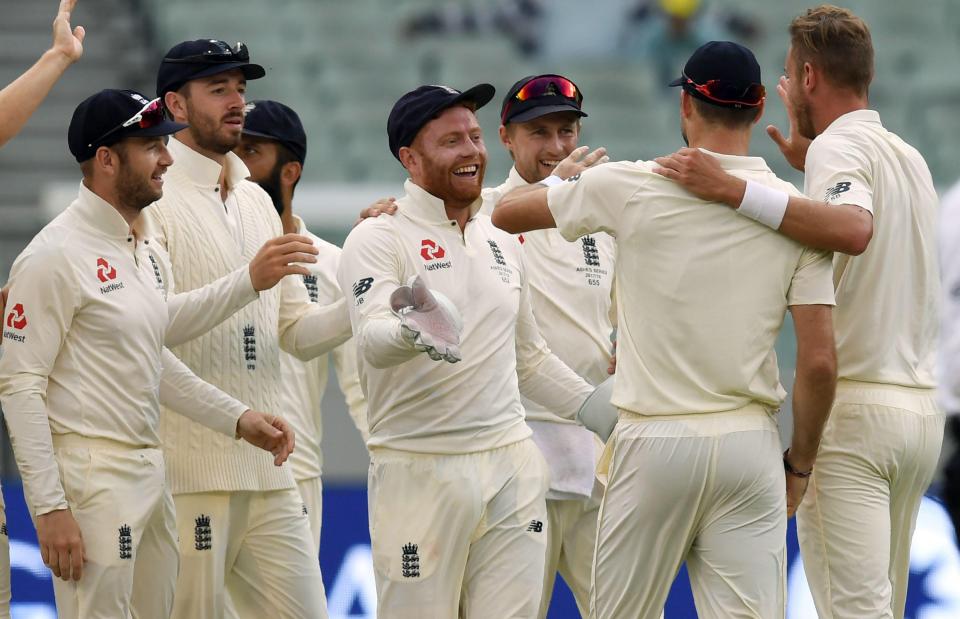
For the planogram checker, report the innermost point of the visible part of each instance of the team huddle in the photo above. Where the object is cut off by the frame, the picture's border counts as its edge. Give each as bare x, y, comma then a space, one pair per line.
572, 372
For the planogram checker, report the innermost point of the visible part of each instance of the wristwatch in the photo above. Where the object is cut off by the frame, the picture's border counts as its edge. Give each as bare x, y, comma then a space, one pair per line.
792, 471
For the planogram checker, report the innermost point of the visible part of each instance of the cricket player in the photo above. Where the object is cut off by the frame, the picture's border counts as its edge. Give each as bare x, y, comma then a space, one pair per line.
458, 520
571, 288
243, 533
274, 148
871, 199
949, 374
694, 461
84, 369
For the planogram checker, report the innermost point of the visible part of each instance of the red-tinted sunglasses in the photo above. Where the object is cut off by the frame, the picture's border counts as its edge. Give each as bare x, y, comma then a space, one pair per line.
727, 93
546, 86
150, 115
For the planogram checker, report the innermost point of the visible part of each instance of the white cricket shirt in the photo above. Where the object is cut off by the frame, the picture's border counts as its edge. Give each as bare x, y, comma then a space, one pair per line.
304, 383
886, 320
414, 403
701, 290
949, 368
88, 316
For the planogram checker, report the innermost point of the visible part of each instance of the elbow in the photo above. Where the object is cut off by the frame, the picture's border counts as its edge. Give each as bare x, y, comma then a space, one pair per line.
857, 238
821, 369
501, 216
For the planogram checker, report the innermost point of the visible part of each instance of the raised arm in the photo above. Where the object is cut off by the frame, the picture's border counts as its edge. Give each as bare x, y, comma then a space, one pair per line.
21, 98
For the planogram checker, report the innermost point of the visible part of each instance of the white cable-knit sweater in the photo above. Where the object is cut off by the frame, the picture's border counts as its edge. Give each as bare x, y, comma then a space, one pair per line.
242, 354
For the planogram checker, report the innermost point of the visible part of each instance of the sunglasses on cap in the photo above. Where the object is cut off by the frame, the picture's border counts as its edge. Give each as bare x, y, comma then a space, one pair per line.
726, 93
545, 86
223, 53
150, 115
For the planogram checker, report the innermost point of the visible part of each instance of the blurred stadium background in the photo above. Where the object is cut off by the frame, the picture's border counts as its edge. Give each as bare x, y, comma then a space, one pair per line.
341, 65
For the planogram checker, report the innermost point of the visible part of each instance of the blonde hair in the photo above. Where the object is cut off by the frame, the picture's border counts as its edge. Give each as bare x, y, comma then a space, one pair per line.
838, 43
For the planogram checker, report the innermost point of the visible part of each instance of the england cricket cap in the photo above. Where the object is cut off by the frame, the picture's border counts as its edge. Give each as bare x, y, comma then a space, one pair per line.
538, 95
202, 58
418, 107
109, 116
275, 121
723, 73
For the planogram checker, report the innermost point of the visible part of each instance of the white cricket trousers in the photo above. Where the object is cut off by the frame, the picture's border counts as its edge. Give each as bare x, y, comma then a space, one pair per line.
311, 495
878, 455
119, 498
708, 489
459, 535
254, 548
571, 536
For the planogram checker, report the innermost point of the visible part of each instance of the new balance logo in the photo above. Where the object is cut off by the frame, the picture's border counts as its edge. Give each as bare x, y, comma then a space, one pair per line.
362, 287
310, 281
836, 190
250, 346
591, 256
303, 506
126, 542
3, 530
202, 535
535, 526
497, 254
410, 561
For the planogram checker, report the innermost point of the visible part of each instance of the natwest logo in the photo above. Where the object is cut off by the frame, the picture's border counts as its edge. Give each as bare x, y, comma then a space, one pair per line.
105, 272
17, 319
429, 250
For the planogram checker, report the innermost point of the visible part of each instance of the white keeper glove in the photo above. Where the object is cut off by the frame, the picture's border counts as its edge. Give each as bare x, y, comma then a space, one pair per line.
596, 413
428, 320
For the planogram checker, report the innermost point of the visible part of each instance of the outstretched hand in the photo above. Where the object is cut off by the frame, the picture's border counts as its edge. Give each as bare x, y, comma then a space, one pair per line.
701, 175
66, 40
579, 160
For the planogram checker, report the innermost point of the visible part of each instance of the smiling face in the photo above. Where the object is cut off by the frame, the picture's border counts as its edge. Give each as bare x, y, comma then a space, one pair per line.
142, 163
538, 145
448, 157
213, 107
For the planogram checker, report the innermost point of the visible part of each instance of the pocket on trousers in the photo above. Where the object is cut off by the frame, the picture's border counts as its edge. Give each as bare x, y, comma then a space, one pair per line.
75, 466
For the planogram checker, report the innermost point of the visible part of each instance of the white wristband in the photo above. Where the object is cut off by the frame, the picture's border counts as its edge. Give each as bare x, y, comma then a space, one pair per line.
764, 204
552, 180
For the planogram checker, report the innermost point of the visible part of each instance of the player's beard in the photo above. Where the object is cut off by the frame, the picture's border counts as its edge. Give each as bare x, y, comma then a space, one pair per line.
137, 193
804, 116
207, 132
438, 181
271, 185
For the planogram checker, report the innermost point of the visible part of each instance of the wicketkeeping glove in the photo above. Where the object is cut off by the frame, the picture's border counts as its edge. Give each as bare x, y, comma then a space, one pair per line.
428, 320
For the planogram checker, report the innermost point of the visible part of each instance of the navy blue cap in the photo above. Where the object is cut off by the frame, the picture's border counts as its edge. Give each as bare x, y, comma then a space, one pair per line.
99, 121
202, 58
550, 101
418, 107
275, 121
731, 67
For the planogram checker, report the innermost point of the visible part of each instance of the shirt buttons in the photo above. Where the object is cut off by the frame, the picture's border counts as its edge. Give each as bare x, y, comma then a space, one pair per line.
129, 239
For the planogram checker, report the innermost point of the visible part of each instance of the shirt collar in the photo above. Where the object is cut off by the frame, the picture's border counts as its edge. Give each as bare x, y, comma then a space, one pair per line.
513, 181
204, 171
856, 116
100, 214
738, 162
427, 207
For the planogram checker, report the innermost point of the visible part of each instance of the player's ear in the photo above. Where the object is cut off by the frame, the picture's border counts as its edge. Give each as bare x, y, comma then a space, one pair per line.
810, 77
686, 104
290, 173
409, 159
